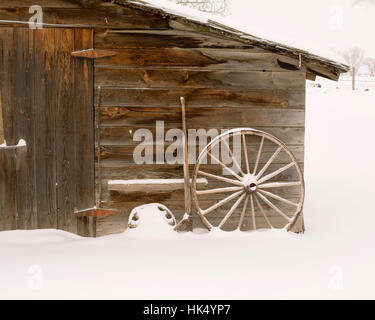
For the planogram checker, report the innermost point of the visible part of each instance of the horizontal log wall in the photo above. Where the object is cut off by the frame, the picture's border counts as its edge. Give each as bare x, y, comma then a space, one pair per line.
70, 13
225, 85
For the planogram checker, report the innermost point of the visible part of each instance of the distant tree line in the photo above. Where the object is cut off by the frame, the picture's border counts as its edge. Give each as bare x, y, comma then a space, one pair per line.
356, 59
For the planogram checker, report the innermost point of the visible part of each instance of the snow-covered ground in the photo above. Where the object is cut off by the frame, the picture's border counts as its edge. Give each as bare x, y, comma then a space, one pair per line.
335, 258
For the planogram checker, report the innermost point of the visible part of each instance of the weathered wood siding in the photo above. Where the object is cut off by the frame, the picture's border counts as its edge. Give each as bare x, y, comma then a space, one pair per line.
227, 84
46, 99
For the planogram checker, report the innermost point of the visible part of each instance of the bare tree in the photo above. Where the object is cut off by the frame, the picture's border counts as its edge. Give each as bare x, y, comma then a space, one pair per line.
354, 57
219, 7
370, 63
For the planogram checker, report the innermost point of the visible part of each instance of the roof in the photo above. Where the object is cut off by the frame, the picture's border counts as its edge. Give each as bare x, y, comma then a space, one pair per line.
316, 65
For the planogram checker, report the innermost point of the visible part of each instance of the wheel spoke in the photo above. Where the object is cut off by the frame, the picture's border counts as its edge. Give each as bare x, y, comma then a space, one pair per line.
279, 184
230, 212
222, 202
275, 173
269, 162
243, 212
258, 156
245, 152
261, 209
274, 207
218, 190
274, 196
210, 175
233, 158
225, 167
253, 212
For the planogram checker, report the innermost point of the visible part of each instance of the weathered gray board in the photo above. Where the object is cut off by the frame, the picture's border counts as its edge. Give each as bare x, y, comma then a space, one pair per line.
46, 99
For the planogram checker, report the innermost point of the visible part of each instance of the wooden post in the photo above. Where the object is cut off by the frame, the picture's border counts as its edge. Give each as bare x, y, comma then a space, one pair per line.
98, 201
189, 222
353, 78
1, 124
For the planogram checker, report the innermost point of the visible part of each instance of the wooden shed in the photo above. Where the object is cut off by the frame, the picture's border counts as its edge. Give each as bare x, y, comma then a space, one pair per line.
76, 87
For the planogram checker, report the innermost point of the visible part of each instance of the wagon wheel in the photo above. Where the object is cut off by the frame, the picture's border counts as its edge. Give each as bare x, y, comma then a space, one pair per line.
262, 187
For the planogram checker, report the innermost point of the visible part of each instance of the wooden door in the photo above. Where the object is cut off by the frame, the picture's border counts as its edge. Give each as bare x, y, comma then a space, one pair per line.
47, 100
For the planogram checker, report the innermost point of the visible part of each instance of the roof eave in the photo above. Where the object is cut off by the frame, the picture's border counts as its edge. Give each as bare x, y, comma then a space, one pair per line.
315, 65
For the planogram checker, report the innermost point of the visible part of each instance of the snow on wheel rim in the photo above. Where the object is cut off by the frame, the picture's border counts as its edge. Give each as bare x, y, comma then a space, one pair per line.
164, 214
254, 190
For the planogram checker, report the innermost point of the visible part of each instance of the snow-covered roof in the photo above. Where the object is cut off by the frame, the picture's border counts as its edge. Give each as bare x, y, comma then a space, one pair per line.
227, 28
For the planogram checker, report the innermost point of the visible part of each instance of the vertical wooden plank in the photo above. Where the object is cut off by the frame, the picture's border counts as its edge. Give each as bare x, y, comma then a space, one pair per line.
23, 197
24, 80
2, 80
1, 116
31, 219
8, 72
45, 106
2, 192
65, 131
16, 82
8, 210
84, 121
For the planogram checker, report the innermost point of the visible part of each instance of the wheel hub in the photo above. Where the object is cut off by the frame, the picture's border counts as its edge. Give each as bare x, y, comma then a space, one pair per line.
249, 183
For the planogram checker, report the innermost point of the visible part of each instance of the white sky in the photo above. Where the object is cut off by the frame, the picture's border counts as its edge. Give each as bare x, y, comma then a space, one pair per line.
330, 23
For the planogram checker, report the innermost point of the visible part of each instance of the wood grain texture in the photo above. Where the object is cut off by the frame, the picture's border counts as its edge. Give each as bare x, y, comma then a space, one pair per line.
113, 170
84, 124
118, 223
17, 86
8, 75
128, 97
127, 39
123, 136
22, 97
65, 132
203, 117
29, 134
45, 99
8, 189
1, 123
67, 4
86, 226
212, 59
208, 79
24, 198
54, 173
111, 16
125, 154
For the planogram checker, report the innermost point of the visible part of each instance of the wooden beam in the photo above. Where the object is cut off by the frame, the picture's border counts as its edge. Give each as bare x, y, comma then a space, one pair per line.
93, 53
149, 185
95, 212
310, 76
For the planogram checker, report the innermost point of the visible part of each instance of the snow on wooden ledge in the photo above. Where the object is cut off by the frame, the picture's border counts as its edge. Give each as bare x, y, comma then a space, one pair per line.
150, 185
21, 143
